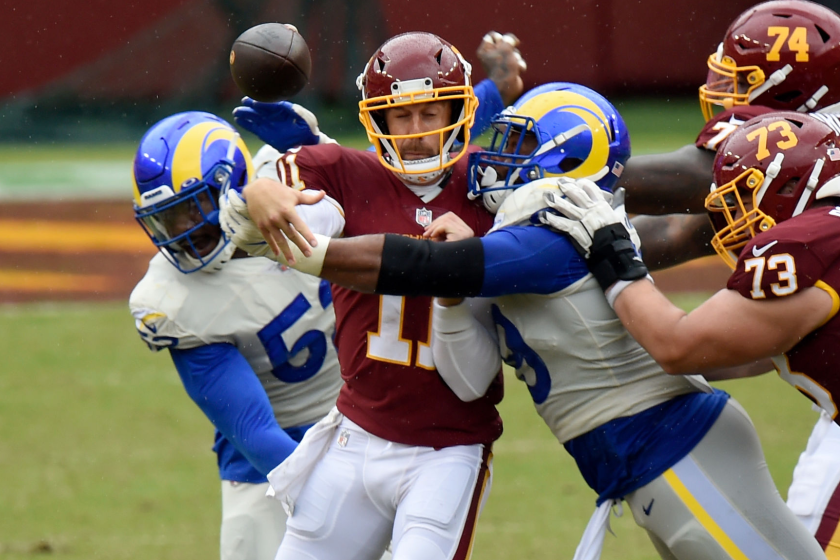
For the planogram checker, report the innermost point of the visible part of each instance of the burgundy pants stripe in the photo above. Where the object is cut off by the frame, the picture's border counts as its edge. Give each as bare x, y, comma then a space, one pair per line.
465, 544
829, 523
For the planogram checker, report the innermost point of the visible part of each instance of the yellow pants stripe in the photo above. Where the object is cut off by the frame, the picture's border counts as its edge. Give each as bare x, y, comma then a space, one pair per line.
703, 516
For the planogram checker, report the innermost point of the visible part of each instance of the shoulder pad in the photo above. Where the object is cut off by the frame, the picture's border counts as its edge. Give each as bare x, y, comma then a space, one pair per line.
155, 302
265, 163
158, 331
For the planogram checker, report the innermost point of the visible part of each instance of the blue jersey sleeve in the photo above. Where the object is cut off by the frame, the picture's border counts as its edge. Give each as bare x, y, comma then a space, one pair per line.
490, 104
529, 260
221, 382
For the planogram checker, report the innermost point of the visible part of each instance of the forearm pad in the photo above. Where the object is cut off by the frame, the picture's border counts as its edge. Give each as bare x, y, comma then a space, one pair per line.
420, 267
613, 257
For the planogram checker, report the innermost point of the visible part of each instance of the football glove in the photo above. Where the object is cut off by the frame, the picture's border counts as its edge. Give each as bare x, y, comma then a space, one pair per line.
602, 234
281, 125
237, 224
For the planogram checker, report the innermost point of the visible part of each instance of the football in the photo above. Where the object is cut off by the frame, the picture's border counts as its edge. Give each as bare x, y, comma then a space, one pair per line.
270, 62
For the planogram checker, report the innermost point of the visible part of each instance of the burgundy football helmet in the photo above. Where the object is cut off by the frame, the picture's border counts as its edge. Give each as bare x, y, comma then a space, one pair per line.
769, 170
417, 68
783, 54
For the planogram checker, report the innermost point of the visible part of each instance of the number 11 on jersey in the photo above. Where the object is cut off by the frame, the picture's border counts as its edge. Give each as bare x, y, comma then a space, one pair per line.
387, 343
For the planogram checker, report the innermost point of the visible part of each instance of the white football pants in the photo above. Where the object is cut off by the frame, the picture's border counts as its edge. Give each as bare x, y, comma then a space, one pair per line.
366, 491
814, 494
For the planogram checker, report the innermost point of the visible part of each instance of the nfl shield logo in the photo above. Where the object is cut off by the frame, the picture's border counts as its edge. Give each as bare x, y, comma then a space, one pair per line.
343, 438
423, 217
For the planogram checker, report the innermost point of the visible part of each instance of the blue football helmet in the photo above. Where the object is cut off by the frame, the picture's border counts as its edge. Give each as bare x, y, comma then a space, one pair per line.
181, 166
555, 130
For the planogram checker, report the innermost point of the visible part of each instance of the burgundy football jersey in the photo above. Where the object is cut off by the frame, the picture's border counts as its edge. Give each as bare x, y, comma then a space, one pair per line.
392, 388
789, 257
724, 123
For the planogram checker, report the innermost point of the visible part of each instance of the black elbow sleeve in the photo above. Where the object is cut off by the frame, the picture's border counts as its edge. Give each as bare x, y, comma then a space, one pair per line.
419, 267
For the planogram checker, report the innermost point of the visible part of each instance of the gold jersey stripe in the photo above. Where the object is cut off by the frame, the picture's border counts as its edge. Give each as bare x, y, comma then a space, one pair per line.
835, 300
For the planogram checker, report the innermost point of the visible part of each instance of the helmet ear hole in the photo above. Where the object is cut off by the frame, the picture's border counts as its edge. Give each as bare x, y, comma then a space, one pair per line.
823, 34
789, 187
787, 96
570, 164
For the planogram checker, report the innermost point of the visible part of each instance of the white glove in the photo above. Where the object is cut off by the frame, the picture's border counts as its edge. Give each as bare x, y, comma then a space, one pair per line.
241, 230
583, 210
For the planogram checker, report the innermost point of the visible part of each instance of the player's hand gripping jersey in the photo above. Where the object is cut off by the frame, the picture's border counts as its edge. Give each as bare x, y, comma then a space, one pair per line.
277, 319
392, 388
792, 256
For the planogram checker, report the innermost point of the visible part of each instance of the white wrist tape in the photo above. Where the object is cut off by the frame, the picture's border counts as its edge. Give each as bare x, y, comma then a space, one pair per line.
613, 291
313, 263
452, 319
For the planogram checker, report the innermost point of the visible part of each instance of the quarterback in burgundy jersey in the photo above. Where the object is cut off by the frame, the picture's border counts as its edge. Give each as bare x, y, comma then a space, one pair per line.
399, 439
391, 385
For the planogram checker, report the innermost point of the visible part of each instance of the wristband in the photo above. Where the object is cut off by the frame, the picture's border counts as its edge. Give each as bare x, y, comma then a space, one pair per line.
613, 291
313, 263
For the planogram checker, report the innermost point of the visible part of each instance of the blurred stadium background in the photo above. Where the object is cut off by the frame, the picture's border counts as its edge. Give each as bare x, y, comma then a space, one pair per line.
101, 452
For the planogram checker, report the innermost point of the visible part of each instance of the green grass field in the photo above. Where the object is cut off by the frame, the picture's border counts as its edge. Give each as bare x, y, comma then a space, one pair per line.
103, 456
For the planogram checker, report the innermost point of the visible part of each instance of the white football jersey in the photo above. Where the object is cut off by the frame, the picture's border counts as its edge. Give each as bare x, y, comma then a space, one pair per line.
581, 365
281, 321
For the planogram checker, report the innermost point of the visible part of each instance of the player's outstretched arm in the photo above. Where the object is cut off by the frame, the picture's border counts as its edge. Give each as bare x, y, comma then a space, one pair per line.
671, 183
222, 383
399, 265
674, 238
713, 335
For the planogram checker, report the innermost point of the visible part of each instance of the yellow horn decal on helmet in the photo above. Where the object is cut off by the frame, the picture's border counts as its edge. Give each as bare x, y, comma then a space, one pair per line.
590, 113
137, 200
186, 161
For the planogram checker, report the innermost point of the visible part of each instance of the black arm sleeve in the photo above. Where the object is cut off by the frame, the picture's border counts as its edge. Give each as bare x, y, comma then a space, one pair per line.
418, 267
